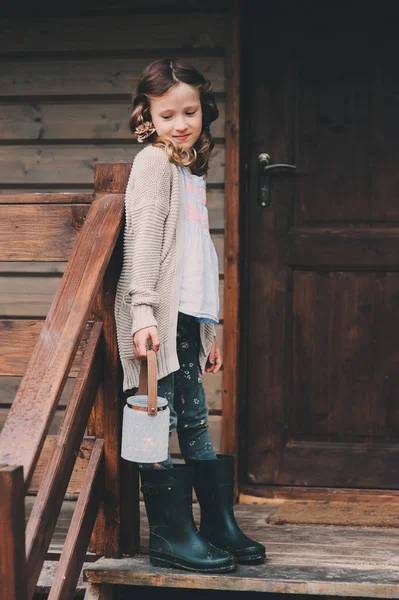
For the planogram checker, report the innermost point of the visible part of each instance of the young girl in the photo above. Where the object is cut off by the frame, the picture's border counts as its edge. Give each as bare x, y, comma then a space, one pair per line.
167, 295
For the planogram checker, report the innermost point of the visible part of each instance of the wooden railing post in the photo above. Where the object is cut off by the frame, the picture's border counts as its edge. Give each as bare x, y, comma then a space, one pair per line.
116, 532
12, 534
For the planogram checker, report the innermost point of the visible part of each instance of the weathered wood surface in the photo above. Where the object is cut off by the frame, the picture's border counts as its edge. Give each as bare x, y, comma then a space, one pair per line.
312, 463
101, 592
261, 494
31, 295
108, 33
74, 163
276, 579
27, 295
61, 531
92, 76
40, 120
77, 540
314, 560
44, 515
45, 232
18, 340
41, 387
79, 468
12, 534
12, 267
47, 198
323, 287
301, 559
343, 248
47, 576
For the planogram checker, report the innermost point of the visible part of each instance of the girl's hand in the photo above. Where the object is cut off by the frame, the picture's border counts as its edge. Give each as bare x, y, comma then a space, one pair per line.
214, 361
140, 341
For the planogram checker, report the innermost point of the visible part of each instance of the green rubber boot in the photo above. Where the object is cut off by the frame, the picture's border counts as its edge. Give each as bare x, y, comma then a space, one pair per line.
213, 484
174, 538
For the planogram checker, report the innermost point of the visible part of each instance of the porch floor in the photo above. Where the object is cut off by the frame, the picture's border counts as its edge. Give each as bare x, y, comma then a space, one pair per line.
302, 559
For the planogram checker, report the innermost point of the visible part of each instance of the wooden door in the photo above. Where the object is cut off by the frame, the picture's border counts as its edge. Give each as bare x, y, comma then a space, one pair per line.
321, 92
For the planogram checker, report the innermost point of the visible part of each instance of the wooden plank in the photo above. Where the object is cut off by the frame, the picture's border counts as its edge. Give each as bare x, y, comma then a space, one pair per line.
116, 32
232, 241
213, 390
41, 387
79, 468
54, 426
18, 340
45, 120
311, 463
40, 232
215, 205
47, 198
74, 551
268, 578
12, 534
94, 76
343, 248
298, 551
64, 521
12, 267
100, 592
9, 386
47, 576
215, 201
26, 295
25, 165
254, 494
44, 515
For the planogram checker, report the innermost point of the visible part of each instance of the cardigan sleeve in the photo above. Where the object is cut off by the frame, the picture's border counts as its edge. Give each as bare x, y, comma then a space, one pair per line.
146, 206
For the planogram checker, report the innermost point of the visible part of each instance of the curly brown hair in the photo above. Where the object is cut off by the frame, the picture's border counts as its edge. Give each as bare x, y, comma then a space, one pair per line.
159, 77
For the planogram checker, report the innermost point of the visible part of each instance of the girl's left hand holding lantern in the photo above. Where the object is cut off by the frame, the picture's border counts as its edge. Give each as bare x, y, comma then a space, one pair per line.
140, 342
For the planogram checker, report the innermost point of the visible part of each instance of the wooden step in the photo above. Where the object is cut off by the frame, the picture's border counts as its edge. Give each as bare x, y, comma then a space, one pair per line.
302, 559
47, 575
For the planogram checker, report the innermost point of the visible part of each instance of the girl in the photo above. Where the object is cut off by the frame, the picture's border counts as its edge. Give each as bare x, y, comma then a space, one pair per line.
167, 295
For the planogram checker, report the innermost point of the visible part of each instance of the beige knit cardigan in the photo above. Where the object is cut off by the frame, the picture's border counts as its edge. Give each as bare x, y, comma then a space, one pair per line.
148, 290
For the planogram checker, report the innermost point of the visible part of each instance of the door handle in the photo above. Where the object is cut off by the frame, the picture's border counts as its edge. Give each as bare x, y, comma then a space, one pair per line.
265, 171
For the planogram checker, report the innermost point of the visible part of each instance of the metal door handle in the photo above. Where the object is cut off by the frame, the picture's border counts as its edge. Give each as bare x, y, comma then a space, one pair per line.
265, 172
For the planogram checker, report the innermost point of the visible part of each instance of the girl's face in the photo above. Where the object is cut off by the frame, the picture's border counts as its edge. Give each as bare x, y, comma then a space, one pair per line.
178, 114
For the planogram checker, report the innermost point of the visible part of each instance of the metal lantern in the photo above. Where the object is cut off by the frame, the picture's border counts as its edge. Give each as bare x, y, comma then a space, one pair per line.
145, 425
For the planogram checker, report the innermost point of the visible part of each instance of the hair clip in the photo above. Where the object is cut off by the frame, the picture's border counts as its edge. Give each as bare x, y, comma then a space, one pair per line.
144, 131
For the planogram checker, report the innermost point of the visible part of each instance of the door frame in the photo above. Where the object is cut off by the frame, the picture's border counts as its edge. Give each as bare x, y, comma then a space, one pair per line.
236, 280
231, 326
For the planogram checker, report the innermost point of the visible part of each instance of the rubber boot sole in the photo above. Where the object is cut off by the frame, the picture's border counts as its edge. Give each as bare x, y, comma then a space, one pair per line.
251, 559
174, 563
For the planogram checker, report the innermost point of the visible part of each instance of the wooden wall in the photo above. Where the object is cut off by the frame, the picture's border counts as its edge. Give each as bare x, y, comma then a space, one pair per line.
65, 85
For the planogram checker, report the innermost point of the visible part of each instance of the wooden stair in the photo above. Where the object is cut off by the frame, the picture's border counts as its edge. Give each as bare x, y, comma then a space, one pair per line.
330, 561
77, 339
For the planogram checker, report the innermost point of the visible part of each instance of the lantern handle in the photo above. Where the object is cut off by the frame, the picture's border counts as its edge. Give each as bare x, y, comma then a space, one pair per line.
148, 382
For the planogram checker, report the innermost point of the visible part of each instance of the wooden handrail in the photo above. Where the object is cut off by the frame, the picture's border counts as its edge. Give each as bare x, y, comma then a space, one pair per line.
29, 418
86, 289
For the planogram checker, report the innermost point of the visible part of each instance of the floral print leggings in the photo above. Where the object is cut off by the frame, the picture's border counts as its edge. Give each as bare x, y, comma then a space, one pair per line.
186, 398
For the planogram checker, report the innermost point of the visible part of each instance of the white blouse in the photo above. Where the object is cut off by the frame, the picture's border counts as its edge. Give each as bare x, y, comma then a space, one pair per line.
199, 295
